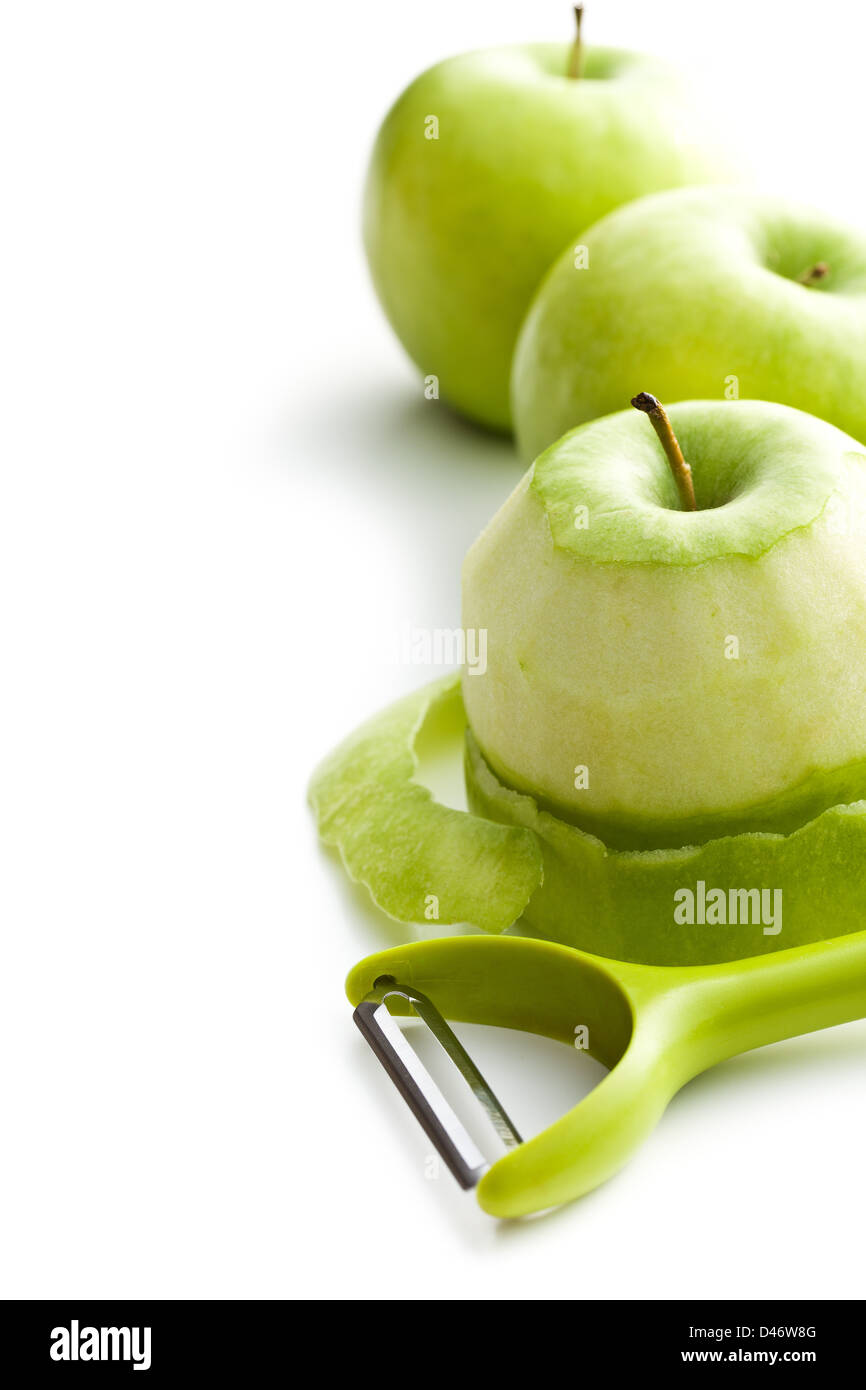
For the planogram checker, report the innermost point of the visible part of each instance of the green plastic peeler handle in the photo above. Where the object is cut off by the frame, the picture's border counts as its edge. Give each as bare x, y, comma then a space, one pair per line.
655, 1027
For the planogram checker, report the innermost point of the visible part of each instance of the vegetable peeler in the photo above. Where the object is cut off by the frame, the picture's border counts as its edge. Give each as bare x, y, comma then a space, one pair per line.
654, 1027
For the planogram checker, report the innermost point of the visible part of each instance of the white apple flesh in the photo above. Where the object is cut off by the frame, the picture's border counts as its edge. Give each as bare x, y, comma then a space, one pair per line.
660, 677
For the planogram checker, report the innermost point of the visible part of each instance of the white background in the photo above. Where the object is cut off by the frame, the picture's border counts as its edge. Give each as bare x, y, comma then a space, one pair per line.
222, 493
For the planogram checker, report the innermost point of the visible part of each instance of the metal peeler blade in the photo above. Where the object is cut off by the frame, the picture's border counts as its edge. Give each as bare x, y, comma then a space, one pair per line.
445, 1131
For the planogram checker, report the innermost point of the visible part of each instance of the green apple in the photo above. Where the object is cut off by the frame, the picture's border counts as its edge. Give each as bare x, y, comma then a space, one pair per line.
482, 171
661, 677
708, 295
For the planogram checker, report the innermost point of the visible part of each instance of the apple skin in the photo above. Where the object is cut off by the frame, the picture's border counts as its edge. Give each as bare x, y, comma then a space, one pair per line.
408, 850
689, 290
609, 647
621, 903
459, 230
510, 859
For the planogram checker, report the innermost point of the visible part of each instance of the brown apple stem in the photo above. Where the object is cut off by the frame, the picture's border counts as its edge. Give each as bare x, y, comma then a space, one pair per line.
817, 272
575, 62
665, 431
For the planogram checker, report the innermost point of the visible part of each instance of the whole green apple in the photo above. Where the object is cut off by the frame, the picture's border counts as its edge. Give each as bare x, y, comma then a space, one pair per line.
661, 677
482, 171
708, 295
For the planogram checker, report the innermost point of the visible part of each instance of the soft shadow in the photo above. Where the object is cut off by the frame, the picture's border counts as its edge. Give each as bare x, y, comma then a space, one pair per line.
811, 1052
438, 478
392, 432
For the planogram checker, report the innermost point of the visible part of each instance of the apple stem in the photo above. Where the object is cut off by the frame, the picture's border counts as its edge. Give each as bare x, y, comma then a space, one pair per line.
817, 272
576, 59
665, 431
